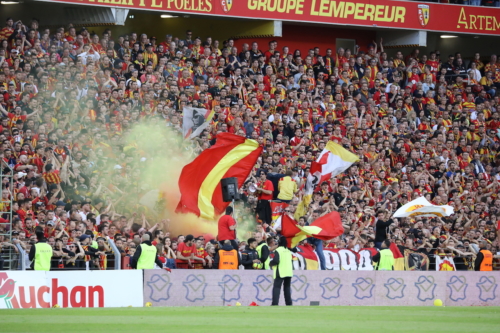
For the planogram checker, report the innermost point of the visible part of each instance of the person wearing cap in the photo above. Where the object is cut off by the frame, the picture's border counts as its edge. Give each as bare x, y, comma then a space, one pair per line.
227, 257
149, 55
145, 256
484, 258
41, 253
90, 252
14, 53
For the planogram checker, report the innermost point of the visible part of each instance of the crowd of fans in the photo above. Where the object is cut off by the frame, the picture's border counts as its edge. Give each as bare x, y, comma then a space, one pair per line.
422, 125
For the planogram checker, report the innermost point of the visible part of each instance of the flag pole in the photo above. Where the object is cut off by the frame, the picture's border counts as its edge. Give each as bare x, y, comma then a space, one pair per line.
234, 213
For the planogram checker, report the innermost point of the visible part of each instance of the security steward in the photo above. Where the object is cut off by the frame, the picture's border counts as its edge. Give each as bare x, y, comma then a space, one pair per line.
281, 264
227, 257
145, 255
263, 249
41, 252
385, 258
484, 259
250, 256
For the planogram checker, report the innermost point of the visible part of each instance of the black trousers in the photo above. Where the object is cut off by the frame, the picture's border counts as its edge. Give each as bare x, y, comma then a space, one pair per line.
286, 289
264, 211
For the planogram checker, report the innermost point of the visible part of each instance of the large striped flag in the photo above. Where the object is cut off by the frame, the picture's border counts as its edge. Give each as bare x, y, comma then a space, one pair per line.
325, 227
199, 183
422, 207
333, 160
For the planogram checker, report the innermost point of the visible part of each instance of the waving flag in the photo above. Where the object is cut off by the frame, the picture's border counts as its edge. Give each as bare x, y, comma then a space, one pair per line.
199, 183
194, 121
325, 227
422, 207
333, 160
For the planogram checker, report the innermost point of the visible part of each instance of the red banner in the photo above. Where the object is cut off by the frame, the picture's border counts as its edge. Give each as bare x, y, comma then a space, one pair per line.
277, 209
407, 15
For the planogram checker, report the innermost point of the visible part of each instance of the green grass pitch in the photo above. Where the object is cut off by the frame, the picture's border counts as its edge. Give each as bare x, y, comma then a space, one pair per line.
254, 319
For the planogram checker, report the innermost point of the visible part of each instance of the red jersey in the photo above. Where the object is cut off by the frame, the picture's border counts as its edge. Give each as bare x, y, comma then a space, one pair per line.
186, 251
434, 65
268, 185
13, 119
200, 253
224, 233
185, 82
52, 177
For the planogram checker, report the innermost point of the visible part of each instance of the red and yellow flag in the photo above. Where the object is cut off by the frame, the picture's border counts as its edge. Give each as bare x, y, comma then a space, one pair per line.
325, 227
277, 209
199, 183
399, 259
310, 258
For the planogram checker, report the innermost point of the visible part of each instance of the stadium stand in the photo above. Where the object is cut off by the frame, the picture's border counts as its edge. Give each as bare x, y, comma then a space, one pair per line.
73, 161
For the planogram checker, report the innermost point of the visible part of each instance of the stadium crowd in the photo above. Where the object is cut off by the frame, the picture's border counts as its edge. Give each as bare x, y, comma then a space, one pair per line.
422, 125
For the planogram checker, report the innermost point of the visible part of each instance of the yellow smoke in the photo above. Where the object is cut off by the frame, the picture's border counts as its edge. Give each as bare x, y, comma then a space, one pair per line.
166, 153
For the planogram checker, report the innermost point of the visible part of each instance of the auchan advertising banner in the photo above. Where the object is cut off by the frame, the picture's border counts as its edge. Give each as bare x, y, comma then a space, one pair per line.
409, 15
82, 289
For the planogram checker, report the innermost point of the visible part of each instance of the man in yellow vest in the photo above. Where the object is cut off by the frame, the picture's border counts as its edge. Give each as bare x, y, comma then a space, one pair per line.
484, 259
227, 257
145, 255
385, 258
263, 249
281, 264
40, 253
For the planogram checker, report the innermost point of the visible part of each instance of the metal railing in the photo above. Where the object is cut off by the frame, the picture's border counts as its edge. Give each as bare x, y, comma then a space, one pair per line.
22, 257
7, 172
20, 260
116, 252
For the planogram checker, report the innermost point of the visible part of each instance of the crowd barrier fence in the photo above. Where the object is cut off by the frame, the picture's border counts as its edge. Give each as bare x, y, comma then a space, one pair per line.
112, 288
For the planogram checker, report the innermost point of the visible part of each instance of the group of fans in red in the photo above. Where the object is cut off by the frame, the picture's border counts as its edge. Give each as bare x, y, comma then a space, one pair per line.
422, 125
